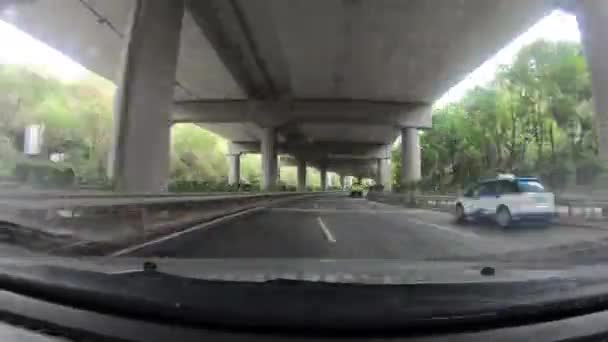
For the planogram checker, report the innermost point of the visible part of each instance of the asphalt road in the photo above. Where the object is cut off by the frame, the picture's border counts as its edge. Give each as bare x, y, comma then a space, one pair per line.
338, 227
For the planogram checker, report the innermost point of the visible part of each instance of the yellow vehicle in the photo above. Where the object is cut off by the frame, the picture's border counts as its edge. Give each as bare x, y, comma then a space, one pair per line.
356, 190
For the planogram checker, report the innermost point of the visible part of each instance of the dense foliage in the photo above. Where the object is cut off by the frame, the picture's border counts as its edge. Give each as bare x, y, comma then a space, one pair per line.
77, 119
535, 118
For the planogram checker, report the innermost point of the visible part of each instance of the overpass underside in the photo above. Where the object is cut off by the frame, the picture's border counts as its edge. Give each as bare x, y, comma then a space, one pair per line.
330, 83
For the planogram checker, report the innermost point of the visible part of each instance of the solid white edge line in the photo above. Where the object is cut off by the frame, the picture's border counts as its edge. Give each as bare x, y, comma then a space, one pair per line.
201, 226
328, 235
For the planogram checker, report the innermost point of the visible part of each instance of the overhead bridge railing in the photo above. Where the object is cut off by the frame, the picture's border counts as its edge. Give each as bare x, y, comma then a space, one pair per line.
122, 219
568, 208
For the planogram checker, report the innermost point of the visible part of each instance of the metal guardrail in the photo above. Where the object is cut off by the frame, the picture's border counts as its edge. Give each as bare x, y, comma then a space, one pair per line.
43, 201
565, 201
597, 203
48, 208
43, 195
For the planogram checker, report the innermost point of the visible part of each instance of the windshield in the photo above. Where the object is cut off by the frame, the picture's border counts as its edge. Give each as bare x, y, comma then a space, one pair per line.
302, 141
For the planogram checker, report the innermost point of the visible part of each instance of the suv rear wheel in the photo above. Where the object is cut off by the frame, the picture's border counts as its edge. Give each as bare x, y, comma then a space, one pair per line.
460, 215
503, 217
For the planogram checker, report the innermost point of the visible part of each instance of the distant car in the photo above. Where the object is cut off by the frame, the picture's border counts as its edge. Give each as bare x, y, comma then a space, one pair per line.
356, 190
507, 199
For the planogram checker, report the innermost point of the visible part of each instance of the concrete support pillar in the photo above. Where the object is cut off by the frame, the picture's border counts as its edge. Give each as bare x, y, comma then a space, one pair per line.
234, 168
278, 169
384, 174
301, 175
388, 178
379, 172
323, 172
592, 16
410, 156
139, 160
269, 159
342, 182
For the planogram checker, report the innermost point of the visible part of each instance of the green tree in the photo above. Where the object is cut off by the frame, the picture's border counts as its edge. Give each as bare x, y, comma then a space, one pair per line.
535, 118
197, 154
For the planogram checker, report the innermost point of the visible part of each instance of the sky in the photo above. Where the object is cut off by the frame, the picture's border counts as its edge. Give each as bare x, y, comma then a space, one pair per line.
20, 48
558, 26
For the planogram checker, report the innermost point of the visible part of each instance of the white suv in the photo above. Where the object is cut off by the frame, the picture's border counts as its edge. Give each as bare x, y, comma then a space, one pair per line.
507, 199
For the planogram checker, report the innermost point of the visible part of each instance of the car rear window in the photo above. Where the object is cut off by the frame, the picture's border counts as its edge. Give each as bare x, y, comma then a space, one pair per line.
530, 186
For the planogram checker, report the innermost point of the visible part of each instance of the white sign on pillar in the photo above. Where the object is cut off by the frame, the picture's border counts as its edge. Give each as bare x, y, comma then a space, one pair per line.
33, 140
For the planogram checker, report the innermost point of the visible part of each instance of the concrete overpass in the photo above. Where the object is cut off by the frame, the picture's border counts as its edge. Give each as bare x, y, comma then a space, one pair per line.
331, 83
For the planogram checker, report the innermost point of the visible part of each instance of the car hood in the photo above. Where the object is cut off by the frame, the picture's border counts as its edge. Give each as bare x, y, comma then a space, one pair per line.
373, 297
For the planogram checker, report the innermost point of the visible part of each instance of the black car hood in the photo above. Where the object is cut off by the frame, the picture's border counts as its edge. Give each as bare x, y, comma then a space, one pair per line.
361, 271
353, 296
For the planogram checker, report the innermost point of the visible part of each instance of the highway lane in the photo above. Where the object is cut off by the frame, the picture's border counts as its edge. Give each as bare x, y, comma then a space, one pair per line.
337, 227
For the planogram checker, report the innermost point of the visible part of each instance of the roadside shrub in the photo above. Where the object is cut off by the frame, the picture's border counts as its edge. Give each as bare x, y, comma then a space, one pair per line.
589, 170
45, 173
557, 174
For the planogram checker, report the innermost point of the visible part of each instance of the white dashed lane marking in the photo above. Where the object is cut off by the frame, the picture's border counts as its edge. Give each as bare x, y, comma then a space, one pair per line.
328, 234
469, 235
